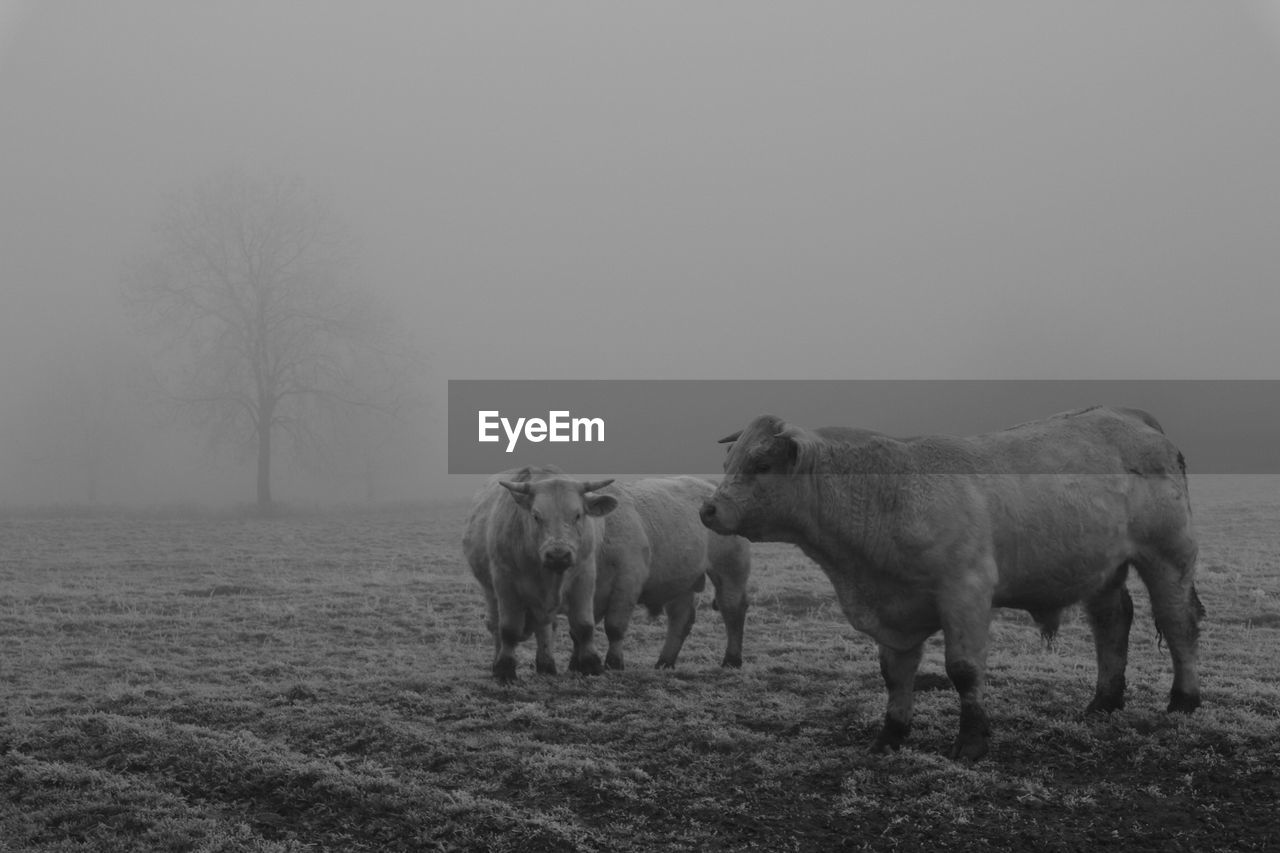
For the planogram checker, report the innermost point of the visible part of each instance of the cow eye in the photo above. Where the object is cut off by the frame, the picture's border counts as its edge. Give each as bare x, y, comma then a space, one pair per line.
578, 517
537, 516
762, 467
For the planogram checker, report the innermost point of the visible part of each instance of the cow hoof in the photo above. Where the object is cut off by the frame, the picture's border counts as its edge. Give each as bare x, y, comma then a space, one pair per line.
732, 661
884, 745
1104, 705
890, 739
591, 665
970, 748
663, 663
545, 667
613, 662
893, 734
504, 670
1183, 703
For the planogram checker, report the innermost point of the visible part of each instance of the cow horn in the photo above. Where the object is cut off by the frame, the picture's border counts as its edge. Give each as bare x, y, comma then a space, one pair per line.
730, 439
521, 488
595, 485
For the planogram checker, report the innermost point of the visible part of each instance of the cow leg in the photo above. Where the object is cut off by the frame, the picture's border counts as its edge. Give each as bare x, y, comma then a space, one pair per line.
680, 614
585, 660
1177, 611
1110, 614
731, 601
616, 635
965, 629
510, 632
899, 671
616, 622
618, 612
545, 662
491, 622
582, 628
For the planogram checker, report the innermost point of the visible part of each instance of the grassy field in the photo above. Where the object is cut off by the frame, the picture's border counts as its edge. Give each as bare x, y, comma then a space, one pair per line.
321, 682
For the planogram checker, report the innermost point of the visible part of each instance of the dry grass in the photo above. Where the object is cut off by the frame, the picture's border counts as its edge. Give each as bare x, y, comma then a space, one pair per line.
321, 683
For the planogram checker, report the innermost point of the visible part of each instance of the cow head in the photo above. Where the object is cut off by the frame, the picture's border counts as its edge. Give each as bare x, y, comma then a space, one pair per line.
560, 509
759, 471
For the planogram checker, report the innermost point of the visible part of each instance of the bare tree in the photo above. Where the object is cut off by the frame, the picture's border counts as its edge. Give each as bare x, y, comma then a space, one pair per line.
248, 290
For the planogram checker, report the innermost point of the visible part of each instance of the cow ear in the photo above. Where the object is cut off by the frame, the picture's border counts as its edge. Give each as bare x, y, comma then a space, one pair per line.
599, 505
522, 493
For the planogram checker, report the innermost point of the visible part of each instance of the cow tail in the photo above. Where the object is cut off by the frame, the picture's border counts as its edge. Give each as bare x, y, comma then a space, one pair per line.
1186, 483
1197, 613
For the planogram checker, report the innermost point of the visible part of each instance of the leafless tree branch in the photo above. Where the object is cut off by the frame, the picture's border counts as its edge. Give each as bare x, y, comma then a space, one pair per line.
260, 331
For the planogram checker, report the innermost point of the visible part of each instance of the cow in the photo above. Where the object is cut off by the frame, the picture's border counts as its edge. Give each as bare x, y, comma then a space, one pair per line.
531, 540
647, 547
930, 533
657, 553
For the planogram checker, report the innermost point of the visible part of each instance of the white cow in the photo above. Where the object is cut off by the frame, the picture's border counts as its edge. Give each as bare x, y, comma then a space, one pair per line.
930, 533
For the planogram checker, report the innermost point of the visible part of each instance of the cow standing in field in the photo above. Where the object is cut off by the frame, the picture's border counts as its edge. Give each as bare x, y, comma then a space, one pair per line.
930, 533
644, 545
657, 553
531, 541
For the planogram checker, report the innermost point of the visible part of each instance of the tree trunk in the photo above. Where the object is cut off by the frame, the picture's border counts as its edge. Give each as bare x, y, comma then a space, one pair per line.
264, 463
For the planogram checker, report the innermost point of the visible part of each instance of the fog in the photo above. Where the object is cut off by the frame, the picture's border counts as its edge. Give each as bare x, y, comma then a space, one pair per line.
1083, 190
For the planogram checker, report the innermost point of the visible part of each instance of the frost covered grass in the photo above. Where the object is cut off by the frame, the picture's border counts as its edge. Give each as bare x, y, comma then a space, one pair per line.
320, 682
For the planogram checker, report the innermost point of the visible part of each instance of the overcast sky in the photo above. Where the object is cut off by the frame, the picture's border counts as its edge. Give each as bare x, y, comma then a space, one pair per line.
1082, 190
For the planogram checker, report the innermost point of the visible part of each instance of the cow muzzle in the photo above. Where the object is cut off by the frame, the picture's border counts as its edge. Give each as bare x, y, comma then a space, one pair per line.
713, 518
557, 559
